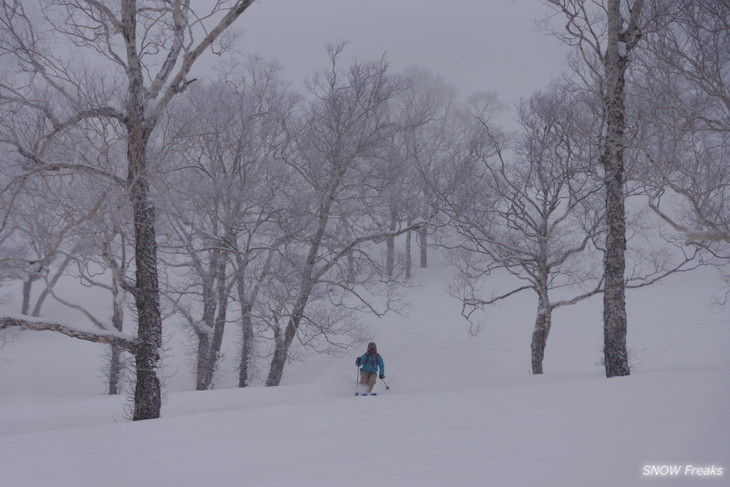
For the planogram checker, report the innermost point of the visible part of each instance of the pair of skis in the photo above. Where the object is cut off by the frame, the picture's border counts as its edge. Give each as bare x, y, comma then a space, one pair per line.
387, 387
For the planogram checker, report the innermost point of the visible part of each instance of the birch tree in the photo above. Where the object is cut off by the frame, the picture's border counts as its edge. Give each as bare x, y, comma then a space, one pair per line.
683, 88
424, 109
222, 209
122, 63
529, 210
338, 146
605, 33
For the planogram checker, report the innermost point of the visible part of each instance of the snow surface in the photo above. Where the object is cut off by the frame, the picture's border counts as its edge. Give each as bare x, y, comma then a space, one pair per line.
461, 410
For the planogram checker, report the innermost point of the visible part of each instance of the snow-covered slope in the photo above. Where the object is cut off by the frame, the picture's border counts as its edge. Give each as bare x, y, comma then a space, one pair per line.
461, 410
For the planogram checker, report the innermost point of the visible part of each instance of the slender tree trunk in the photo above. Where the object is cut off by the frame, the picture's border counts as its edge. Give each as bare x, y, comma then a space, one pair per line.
244, 369
42, 298
115, 370
247, 304
201, 369
614, 299
116, 360
540, 333
423, 232
206, 327
390, 243
278, 361
409, 255
214, 349
27, 287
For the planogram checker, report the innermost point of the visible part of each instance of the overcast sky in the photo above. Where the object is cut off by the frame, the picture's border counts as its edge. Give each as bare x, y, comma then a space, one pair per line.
475, 44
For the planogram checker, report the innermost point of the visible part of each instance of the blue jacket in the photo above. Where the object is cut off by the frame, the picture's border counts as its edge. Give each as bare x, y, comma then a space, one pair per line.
371, 362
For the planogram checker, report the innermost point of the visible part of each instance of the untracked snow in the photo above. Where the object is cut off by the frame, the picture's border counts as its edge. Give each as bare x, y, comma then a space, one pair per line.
461, 410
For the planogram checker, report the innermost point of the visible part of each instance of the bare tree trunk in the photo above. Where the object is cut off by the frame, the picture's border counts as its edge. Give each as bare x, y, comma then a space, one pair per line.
614, 299
115, 370
42, 298
247, 304
390, 243
244, 369
281, 352
115, 361
540, 333
147, 396
423, 231
214, 347
278, 361
27, 286
33, 276
409, 255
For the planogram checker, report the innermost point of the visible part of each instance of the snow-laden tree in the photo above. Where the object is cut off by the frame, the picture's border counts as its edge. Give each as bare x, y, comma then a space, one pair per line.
683, 89
338, 147
530, 207
223, 204
424, 112
605, 34
75, 226
111, 62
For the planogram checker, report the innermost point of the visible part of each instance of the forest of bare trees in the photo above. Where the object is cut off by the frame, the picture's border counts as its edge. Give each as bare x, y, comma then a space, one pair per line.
247, 210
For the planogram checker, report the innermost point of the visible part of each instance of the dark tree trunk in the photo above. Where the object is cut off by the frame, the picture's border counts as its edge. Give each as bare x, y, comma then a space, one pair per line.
201, 369
214, 348
612, 159
244, 370
278, 361
409, 255
147, 395
306, 286
423, 245
423, 234
390, 243
115, 370
28, 286
540, 333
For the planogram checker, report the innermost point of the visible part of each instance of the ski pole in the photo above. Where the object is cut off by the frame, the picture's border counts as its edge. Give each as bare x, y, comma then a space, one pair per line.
357, 375
387, 387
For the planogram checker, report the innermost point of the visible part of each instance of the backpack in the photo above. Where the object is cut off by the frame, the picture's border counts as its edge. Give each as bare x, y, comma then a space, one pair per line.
372, 359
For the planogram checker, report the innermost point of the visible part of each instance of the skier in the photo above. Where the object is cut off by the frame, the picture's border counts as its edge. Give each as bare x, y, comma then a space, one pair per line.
370, 362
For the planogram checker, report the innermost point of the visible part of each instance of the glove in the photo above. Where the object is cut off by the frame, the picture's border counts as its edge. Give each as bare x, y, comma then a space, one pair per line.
382, 376
357, 362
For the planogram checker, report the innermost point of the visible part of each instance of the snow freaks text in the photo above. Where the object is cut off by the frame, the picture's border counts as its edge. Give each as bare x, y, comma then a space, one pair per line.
682, 471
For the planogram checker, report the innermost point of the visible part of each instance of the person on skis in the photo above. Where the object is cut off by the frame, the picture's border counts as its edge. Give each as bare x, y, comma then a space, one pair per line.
369, 363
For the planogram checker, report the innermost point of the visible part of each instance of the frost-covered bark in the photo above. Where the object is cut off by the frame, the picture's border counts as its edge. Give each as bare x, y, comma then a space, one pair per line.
543, 322
126, 342
621, 38
611, 41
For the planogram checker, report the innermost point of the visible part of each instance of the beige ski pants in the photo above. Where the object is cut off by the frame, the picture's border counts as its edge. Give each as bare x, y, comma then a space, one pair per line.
367, 380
